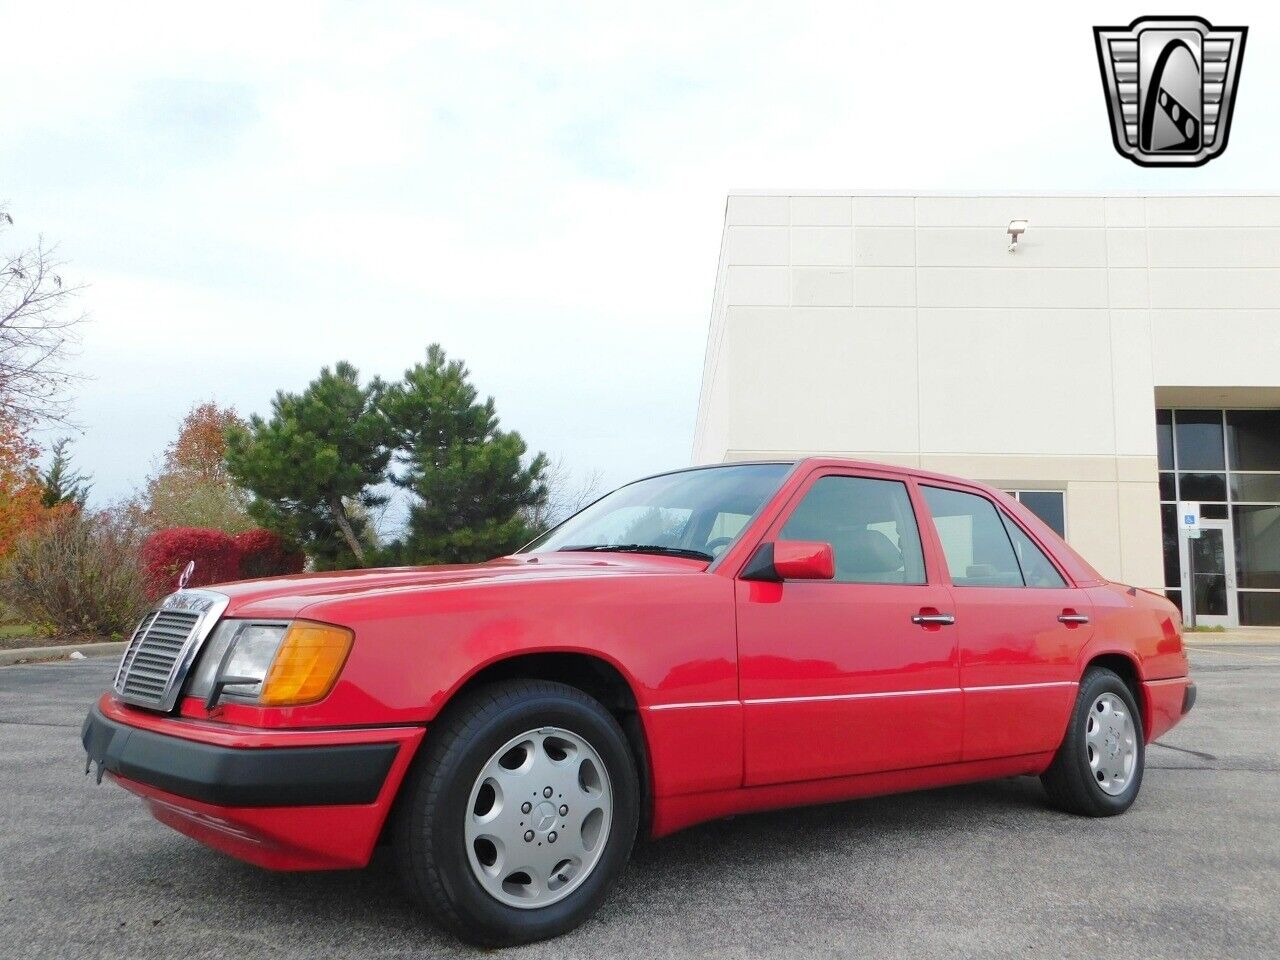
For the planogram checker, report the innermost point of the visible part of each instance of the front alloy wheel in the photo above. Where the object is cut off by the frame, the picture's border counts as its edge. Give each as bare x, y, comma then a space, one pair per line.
540, 811
518, 814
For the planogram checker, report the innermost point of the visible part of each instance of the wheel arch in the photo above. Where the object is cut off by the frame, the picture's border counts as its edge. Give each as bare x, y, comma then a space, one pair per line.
596, 676
1125, 666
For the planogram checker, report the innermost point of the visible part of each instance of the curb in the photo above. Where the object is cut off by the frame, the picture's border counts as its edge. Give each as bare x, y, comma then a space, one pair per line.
1228, 642
1234, 637
9, 658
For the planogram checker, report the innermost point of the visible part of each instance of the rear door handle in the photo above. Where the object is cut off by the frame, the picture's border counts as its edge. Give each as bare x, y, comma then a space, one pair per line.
1073, 618
942, 619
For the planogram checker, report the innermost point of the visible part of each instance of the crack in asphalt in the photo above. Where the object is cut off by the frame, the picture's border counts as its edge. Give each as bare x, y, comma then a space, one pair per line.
1220, 769
1194, 753
37, 723
1230, 668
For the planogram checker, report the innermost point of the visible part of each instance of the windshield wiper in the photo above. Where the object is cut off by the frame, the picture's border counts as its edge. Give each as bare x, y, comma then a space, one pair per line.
641, 548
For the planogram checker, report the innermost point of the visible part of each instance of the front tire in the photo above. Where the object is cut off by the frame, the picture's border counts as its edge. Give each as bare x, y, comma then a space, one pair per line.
519, 814
1097, 770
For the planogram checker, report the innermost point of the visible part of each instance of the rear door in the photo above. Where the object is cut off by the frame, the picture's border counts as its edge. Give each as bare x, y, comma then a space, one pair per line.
1020, 625
838, 677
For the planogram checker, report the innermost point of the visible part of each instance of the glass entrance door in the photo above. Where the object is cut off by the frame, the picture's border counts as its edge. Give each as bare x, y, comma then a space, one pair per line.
1214, 572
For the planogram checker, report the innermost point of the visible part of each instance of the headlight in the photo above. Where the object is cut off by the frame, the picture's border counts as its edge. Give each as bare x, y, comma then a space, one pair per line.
272, 664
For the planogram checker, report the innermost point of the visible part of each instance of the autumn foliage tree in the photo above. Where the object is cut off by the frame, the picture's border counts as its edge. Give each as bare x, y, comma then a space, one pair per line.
21, 506
202, 443
192, 486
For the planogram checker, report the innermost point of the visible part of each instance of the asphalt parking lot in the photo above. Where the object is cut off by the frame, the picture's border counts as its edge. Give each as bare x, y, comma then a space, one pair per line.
986, 870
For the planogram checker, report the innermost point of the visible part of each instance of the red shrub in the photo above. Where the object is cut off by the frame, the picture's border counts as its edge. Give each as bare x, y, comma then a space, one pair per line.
265, 554
166, 552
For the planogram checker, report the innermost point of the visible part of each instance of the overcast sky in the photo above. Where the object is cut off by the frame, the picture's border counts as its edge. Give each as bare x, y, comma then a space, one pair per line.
252, 191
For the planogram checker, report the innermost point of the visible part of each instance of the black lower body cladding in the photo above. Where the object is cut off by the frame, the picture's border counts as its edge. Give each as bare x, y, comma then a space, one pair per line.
238, 777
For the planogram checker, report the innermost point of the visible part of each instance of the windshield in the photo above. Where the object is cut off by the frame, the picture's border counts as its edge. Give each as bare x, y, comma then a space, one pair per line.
694, 513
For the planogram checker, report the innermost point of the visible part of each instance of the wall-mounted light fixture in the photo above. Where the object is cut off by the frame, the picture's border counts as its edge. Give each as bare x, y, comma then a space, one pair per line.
1016, 229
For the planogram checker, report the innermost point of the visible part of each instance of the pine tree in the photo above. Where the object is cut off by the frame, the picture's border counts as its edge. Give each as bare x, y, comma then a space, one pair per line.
472, 491
312, 465
60, 484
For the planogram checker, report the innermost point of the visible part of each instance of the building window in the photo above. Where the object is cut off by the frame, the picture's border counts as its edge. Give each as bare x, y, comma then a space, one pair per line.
1164, 439
1049, 505
1229, 461
1260, 609
1197, 438
1253, 439
1257, 532
1169, 536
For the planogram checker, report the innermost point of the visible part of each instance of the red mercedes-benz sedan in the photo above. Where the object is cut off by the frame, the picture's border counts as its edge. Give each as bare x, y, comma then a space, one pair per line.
696, 644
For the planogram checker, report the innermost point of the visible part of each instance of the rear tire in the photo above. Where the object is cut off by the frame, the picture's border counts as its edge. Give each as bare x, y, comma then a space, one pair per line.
1097, 771
455, 849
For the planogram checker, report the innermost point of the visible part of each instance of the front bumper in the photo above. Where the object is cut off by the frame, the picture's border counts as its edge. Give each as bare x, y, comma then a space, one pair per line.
236, 777
289, 800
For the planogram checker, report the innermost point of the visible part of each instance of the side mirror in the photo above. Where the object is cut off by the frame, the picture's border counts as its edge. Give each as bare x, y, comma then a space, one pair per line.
792, 560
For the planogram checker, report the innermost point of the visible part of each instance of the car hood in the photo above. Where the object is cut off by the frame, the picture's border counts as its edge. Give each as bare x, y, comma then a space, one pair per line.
281, 597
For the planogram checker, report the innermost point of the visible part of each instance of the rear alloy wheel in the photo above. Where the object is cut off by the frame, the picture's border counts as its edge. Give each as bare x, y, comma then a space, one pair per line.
1097, 771
519, 813
1110, 742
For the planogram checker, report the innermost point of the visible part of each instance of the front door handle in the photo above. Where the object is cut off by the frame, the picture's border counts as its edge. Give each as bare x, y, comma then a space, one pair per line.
941, 619
1073, 618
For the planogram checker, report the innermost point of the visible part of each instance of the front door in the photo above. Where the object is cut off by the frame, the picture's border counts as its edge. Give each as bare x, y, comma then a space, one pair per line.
857, 674
1210, 561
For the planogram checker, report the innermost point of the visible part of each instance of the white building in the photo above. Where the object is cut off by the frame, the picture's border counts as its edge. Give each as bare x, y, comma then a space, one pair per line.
1126, 356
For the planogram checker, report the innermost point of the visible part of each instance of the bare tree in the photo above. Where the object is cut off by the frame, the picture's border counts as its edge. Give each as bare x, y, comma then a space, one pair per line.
565, 495
37, 332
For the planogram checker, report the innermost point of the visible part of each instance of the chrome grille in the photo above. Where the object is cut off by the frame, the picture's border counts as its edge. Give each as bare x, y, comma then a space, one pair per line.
162, 648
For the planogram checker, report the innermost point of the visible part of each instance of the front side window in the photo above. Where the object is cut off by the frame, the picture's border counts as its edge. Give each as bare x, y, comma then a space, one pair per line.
869, 524
691, 513
974, 539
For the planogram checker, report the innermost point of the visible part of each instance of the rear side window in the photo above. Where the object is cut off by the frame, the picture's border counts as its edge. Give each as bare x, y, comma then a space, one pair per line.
974, 539
869, 524
1037, 570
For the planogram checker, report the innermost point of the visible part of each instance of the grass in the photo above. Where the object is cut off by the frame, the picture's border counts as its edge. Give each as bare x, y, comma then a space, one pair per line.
14, 636
1201, 629
11, 631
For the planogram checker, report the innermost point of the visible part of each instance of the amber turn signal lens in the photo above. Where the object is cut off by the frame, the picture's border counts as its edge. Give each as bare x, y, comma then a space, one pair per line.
308, 662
